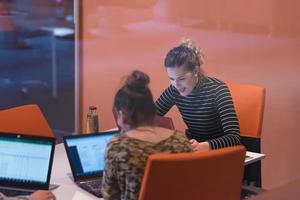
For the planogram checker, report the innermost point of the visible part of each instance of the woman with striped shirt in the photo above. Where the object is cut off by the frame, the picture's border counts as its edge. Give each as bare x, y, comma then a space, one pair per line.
204, 102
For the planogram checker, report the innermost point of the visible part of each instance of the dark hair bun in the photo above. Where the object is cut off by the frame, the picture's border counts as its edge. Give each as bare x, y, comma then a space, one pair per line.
137, 80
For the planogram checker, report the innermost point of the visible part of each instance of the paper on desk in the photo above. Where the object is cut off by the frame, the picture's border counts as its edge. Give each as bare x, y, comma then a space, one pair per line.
79, 196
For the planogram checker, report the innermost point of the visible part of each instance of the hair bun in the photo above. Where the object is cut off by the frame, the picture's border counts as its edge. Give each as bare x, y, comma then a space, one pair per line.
191, 44
137, 80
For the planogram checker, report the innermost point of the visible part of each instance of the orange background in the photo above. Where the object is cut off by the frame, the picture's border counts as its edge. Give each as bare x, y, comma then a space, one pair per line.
254, 42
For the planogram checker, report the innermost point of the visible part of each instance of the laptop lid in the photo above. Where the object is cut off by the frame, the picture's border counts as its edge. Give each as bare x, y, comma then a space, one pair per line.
25, 161
86, 154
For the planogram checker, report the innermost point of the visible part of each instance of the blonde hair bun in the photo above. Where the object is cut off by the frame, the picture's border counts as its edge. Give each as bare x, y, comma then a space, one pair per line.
197, 50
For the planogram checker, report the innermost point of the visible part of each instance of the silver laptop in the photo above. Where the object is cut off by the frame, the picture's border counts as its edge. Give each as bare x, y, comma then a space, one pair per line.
25, 163
86, 157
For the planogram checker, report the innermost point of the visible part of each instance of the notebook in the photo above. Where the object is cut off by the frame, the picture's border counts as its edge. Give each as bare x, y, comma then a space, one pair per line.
86, 157
25, 163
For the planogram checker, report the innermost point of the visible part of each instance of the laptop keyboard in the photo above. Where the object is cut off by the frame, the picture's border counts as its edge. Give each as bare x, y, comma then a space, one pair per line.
12, 193
93, 187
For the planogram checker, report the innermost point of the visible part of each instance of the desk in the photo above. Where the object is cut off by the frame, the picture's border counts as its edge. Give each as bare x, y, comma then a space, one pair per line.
252, 157
62, 175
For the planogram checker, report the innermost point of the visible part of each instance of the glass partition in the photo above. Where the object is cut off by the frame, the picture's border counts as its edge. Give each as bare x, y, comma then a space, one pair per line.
37, 58
244, 41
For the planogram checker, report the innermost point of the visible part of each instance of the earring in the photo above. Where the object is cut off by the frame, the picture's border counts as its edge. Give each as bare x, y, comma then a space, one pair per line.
197, 78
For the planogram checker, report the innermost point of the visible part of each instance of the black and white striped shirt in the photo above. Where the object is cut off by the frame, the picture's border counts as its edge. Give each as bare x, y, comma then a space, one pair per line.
208, 112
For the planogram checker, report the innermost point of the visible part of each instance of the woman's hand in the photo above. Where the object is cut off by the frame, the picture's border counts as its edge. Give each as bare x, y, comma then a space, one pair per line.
199, 146
42, 195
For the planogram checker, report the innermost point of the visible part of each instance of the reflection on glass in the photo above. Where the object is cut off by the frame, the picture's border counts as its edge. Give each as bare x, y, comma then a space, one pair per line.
37, 58
244, 41
119, 36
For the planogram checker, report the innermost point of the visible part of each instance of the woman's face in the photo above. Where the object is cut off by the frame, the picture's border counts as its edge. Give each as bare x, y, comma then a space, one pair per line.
183, 79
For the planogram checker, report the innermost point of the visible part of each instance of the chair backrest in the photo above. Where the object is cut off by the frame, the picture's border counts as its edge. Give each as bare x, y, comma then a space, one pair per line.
27, 119
165, 122
211, 175
249, 102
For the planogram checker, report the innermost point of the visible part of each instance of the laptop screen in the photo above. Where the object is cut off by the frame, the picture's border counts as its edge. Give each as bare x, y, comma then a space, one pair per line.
25, 160
86, 153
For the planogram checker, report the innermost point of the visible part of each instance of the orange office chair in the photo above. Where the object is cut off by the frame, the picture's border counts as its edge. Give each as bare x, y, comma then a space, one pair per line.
211, 175
27, 119
249, 102
165, 122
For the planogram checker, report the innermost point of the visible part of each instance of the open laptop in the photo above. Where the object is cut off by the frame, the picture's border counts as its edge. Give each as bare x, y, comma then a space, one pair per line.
25, 163
86, 157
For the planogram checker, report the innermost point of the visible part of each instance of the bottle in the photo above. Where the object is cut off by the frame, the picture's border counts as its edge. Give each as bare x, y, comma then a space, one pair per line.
92, 125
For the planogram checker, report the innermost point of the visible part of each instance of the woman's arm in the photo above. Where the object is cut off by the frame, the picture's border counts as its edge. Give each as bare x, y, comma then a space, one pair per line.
165, 102
228, 118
